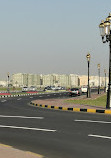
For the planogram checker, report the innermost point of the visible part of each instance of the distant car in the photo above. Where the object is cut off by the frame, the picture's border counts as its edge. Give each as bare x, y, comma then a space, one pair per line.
25, 89
58, 88
75, 92
33, 88
84, 89
47, 88
53, 88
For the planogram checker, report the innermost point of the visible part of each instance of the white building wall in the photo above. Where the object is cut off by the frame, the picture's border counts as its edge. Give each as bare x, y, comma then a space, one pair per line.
56, 80
22, 79
93, 81
3, 83
74, 80
17, 79
64, 80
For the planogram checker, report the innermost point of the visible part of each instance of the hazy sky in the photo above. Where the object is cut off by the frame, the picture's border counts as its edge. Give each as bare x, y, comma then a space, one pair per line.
52, 36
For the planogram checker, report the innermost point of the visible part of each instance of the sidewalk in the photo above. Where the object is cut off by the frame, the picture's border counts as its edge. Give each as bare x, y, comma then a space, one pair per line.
10, 152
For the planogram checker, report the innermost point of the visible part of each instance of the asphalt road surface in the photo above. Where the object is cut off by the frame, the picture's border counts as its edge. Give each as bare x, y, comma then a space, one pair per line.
54, 133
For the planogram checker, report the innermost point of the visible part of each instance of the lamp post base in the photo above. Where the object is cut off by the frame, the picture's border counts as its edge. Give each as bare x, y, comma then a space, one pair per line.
98, 90
88, 93
108, 104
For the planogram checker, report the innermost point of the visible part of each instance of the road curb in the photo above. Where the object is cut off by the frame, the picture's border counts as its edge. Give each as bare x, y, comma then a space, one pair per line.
28, 94
9, 96
73, 109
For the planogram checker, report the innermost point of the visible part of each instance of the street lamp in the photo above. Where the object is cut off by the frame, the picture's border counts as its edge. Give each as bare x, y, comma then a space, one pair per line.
99, 78
88, 88
8, 82
105, 80
16, 85
105, 32
40, 83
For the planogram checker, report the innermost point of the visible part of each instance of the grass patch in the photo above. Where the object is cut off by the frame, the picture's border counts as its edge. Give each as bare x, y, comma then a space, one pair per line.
100, 101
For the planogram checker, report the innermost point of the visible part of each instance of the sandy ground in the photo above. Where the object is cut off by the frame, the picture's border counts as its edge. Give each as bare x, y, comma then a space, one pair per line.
10, 152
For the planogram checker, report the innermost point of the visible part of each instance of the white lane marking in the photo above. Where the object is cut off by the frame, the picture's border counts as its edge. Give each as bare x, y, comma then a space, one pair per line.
28, 128
99, 136
48, 95
31, 97
54, 94
91, 121
40, 96
26, 117
19, 98
3, 101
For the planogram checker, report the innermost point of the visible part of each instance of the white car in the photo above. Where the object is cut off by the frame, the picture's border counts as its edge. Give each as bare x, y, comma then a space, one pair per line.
84, 89
75, 92
25, 89
32, 88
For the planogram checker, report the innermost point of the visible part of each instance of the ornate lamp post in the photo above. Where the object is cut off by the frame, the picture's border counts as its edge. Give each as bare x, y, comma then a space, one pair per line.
105, 80
88, 88
8, 82
99, 78
105, 32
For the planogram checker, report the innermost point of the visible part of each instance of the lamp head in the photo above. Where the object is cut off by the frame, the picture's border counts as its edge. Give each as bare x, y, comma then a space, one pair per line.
88, 56
109, 17
8, 74
98, 66
105, 71
101, 27
107, 27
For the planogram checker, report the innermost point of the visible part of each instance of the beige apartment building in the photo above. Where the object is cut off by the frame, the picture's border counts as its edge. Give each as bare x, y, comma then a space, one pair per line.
56, 80
3, 83
74, 80
68, 81
23, 79
62, 80
19, 79
34, 80
93, 81
49, 80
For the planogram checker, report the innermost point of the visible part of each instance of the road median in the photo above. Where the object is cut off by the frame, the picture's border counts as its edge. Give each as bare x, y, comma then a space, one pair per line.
71, 105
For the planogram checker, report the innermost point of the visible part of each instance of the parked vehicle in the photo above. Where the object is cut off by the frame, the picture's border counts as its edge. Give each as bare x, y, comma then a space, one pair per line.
53, 88
25, 89
32, 88
84, 89
47, 88
75, 92
58, 88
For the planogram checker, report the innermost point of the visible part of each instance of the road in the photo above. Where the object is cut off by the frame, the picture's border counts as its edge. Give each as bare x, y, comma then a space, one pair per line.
53, 133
